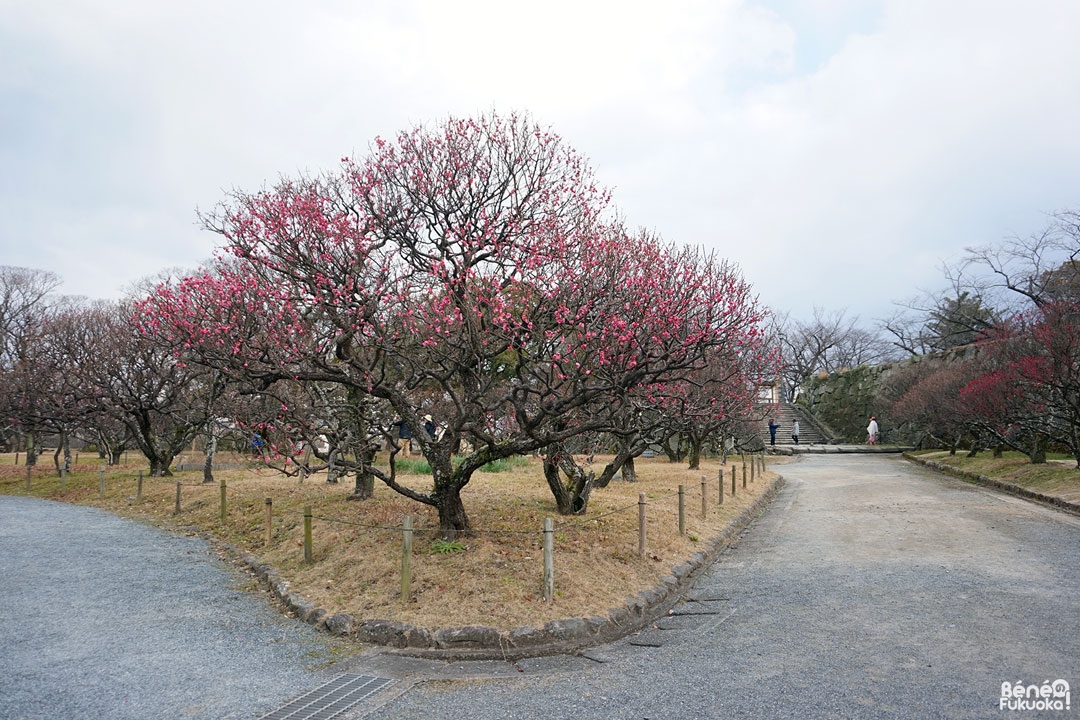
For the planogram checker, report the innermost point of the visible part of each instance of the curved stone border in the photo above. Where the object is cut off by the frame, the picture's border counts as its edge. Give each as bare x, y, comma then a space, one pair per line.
985, 481
557, 636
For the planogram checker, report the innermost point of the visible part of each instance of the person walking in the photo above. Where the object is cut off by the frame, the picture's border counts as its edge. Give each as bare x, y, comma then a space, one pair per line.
405, 437
773, 427
872, 431
795, 431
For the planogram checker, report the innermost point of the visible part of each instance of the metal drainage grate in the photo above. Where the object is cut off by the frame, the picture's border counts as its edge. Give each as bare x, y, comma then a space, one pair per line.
331, 699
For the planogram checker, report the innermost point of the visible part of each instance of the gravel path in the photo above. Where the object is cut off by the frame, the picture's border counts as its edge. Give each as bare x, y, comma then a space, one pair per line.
110, 619
870, 589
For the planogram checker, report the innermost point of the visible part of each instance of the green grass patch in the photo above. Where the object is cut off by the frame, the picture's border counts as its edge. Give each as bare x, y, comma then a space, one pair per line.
505, 464
408, 466
446, 547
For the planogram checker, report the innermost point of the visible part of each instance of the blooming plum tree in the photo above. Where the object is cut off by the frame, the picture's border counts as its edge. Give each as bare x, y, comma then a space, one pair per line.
469, 270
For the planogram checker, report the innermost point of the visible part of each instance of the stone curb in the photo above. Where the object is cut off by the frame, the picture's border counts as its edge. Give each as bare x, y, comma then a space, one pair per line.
985, 481
484, 643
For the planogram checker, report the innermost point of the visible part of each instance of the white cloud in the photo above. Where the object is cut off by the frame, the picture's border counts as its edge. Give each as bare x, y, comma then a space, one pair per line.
836, 149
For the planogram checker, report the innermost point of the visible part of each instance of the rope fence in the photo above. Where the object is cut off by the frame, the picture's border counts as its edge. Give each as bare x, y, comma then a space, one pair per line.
669, 504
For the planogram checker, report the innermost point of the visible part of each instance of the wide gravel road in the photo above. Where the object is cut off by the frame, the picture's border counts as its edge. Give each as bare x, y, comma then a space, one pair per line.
110, 619
871, 588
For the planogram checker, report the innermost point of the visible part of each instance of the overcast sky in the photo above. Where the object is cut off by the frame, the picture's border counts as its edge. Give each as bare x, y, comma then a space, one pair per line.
837, 150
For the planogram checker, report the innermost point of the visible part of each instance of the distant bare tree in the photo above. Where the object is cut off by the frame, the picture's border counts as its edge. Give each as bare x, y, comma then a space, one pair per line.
26, 300
827, 342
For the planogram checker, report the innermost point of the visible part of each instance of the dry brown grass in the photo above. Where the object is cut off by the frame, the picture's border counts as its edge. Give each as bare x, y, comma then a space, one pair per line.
494, 580
1058, 477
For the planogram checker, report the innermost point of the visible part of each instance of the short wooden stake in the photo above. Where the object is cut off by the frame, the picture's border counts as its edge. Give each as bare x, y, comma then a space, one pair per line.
223, 500
16, 458
733, 480
307, 533
641, 524
549, 559
101, 483
753, 467
704, 500
138, 488
406, 558
177, 510
744, 475
269, 520
721, 484
682, 510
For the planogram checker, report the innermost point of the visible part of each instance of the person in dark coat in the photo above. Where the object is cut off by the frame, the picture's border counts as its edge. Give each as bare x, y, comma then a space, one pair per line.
773, 427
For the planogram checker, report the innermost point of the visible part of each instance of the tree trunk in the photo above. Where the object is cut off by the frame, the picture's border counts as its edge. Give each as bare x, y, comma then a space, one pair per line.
623, 460
160, 463
695, 452
571, 497
1038, 450
332, 468
67, 453
211, 451
453, 521
32, 449
365, 481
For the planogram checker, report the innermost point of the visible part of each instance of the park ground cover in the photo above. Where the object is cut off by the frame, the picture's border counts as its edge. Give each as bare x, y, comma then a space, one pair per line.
1058, 477
493, 577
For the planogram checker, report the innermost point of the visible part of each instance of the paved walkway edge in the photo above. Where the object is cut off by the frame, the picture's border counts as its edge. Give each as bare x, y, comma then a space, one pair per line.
484, 643
983, 480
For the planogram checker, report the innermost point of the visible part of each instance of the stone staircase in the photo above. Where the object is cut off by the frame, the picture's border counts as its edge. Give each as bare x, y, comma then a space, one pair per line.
785, 414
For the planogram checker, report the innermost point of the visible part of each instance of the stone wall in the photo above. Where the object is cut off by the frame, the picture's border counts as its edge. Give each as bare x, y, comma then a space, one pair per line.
845, 400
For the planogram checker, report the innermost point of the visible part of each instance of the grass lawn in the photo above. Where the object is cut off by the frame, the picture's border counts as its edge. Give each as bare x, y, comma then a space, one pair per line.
493, 578
1058, 476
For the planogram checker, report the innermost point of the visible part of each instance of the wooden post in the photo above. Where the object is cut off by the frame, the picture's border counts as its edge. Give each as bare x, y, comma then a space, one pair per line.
101, 483
744, 475
269, 520
223, 500
641, 524
753, 467
63, 481
138, 489
549, 559
406, 558
177, 510
28, 478
721, 484
732, 479
704, 501
682, 510
307, 533
16, 458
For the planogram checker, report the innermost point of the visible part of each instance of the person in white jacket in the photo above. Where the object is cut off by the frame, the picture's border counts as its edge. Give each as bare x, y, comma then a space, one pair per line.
872, 431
